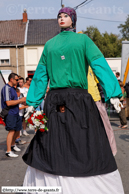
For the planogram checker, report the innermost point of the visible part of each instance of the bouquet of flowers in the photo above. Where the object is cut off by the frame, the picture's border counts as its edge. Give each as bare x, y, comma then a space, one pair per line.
38, 120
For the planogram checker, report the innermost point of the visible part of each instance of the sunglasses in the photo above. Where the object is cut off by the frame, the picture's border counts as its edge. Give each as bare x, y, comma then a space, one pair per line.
17, 80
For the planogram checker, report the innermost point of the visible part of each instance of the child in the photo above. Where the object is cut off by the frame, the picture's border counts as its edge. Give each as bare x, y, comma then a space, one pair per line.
122, 116
21, 112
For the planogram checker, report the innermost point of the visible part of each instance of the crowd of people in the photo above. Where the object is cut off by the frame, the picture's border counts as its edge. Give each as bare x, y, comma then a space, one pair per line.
13, 101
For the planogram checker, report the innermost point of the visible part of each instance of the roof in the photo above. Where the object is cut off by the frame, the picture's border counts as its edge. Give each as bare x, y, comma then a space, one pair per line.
40, 31
12, 32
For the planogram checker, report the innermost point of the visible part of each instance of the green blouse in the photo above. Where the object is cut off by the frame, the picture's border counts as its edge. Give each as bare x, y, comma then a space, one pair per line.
64, 61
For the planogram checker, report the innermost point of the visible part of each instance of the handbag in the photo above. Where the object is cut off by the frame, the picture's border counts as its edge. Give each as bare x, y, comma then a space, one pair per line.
4, 112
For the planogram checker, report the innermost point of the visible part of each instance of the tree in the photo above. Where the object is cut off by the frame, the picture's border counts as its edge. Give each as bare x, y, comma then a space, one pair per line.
109, 44
125, 29
112, 45
95, 35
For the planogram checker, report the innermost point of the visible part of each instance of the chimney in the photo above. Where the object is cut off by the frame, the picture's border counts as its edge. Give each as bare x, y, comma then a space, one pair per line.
25, 16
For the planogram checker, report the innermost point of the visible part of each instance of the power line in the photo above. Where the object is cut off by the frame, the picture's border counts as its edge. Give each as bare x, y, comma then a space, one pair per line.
76, 7
86, 3
80, 5
99, 19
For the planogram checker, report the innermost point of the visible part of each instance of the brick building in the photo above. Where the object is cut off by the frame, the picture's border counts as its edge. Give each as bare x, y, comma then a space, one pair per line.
38, 33
22, 42
12, 39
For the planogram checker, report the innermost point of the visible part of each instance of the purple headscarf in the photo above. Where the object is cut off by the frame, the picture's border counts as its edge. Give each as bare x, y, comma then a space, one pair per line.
72, 13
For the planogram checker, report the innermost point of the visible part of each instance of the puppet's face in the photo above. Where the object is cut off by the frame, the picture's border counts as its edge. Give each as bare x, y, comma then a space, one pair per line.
64, 20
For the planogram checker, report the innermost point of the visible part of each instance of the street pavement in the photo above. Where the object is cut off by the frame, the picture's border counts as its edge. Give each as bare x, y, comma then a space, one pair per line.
12, 170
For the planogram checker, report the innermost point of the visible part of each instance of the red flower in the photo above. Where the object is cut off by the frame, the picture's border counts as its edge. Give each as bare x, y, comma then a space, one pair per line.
32, 115
30, 121
42, 130
40, 117
42, 122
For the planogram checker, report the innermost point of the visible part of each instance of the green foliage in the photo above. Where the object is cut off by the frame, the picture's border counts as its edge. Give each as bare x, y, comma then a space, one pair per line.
125, 29
109, 44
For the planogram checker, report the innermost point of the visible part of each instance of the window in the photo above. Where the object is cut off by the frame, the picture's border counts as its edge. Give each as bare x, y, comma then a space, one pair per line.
4, 57
31, 73
4, 61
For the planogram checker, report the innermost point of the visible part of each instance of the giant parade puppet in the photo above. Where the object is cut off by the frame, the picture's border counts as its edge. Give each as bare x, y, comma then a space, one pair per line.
75, 153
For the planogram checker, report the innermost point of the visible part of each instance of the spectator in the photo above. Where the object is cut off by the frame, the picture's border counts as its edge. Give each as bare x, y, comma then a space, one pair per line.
118, 75
101, 93
40, 107
23, 90
127, 99
18, 80
12, 120
27, 84
21, 113
30, 79
122, 116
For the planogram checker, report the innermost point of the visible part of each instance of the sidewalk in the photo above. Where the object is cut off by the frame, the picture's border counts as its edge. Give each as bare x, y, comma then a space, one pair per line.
12, 170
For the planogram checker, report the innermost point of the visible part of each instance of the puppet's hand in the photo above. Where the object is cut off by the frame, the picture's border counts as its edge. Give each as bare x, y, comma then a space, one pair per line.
117, 104
30, 110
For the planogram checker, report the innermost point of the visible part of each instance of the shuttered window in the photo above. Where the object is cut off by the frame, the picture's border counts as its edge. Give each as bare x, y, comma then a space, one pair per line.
4, 56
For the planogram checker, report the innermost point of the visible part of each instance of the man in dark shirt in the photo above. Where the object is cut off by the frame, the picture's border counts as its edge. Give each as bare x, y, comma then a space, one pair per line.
12, 120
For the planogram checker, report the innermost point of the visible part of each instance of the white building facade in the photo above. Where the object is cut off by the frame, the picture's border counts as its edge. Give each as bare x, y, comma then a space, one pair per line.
32, 55
115, 64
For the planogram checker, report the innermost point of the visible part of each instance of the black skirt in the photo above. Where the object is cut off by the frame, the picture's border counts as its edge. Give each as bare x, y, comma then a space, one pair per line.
76, 144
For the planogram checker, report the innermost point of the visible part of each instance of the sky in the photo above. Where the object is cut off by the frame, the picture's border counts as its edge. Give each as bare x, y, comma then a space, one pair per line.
113, 10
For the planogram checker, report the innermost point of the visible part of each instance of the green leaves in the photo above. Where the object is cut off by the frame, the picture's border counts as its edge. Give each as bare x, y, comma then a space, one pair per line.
124, 29
109, 44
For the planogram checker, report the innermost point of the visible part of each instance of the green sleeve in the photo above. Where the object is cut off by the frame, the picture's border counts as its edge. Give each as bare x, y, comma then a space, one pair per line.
102, 71
39, 82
